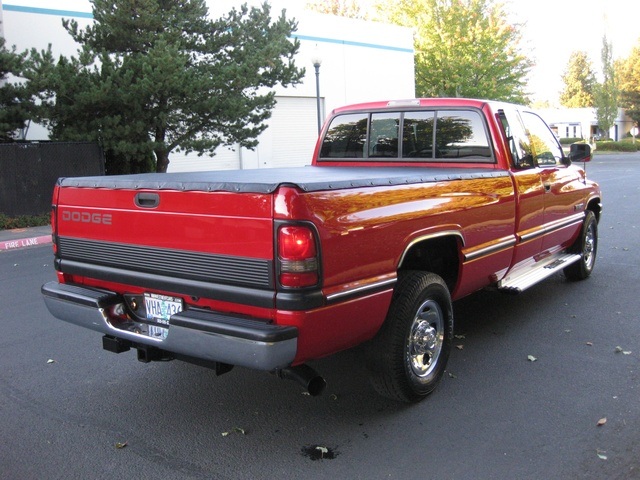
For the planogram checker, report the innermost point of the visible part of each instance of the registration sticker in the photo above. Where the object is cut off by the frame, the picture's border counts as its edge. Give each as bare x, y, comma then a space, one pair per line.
161, 307
157, 332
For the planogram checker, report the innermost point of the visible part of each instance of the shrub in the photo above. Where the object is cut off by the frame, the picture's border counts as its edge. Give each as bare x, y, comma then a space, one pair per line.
610, 146
570, 140
23, 221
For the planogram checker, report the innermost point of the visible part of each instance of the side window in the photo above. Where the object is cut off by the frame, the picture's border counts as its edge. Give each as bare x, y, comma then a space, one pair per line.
546, 149
521, 154
383, 135
346, 137
417, 135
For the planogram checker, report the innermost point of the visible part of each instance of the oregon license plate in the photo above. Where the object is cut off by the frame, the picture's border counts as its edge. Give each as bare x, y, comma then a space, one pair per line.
161, 307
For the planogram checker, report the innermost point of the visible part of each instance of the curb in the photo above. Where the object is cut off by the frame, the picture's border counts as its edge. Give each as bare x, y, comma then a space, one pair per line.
16, 239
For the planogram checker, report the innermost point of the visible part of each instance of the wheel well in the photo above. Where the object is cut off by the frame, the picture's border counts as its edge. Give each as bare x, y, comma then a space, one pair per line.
596, 207
437, 255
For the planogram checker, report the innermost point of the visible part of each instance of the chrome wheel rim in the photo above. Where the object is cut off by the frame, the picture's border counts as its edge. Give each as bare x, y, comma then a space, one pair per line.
426, 339
589, 250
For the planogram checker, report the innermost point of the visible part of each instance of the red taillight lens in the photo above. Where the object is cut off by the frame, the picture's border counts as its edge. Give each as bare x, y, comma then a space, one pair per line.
54, 227
296, 243
297, 256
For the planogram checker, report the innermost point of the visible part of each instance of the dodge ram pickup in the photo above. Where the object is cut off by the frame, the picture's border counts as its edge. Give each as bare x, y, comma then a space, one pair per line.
407, 206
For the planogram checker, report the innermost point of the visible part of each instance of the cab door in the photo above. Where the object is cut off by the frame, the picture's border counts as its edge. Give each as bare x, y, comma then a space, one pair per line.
530, 192
563, 185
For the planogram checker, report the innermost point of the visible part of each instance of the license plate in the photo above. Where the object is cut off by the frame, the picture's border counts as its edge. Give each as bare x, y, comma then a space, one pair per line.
157, 332
161, 307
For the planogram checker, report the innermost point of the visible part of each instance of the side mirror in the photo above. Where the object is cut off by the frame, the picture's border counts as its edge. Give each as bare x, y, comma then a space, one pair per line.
580, 152
525, 162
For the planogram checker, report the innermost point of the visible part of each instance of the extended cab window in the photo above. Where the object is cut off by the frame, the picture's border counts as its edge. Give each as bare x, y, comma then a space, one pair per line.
461, 135
383, 135
545, 146
417, 134
420, 135
346, 137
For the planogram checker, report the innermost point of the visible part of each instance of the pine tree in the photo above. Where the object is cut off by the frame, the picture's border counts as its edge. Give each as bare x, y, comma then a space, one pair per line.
154, 76
15, 101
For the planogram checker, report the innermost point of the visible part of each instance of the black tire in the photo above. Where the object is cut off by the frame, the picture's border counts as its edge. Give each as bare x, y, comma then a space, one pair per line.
587, 246
408, 356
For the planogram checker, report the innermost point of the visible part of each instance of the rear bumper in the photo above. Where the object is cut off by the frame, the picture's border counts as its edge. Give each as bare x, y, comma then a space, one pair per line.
195, 333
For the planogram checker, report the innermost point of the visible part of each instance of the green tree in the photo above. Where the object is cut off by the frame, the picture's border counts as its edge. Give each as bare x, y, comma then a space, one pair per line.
16, 106
340, 8
628, 72
579, 82
463, 48
606, 93
154, 76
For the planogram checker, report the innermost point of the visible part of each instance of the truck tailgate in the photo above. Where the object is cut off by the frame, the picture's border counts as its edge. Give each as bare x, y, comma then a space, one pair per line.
210, 244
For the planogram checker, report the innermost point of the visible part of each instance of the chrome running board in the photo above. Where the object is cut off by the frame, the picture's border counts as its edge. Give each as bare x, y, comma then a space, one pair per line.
528, 276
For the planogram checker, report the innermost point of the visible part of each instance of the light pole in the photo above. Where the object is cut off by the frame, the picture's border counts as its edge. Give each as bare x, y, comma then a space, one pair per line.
317, 61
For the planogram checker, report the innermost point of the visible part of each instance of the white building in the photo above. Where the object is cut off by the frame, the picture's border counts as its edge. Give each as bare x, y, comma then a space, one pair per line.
360, 61
583, 123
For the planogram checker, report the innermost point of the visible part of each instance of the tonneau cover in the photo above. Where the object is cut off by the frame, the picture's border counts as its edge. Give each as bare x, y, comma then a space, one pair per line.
309, 179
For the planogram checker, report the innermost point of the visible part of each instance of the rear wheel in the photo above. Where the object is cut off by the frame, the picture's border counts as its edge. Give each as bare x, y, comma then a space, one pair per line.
408, 356
587, 246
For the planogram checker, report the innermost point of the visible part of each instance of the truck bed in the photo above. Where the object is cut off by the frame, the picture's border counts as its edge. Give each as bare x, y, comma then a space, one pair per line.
309, 179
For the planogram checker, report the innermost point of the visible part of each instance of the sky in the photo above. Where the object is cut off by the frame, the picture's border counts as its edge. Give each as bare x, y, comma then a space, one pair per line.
553, 29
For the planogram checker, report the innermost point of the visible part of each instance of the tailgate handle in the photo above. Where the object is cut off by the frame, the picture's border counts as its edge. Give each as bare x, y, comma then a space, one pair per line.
147, 200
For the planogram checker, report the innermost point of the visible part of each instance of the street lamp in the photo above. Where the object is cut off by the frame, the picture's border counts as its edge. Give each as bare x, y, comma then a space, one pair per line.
317, 61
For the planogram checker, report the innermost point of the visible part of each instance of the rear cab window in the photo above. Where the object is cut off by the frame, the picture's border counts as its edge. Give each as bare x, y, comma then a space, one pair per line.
446, 135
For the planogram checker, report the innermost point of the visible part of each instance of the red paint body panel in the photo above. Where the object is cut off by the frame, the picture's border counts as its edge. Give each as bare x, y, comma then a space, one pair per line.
216, 222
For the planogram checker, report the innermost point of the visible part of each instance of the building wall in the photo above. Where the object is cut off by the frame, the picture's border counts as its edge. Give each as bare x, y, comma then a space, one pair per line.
361, 61
584, 122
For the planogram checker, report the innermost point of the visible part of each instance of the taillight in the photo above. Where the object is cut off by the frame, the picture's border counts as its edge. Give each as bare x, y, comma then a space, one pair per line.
297, 256
54, 226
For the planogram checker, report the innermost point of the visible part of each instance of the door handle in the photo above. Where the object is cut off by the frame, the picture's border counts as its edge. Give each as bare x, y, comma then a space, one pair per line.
547, 186
147, 200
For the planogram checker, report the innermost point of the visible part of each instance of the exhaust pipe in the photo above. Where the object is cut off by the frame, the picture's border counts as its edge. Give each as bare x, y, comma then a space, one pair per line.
305, 376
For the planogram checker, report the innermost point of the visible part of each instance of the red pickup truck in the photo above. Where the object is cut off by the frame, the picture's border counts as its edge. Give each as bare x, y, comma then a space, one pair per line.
407, 206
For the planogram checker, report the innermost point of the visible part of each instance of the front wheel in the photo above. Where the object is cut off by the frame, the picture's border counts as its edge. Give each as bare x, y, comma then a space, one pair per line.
408, 356
587, 246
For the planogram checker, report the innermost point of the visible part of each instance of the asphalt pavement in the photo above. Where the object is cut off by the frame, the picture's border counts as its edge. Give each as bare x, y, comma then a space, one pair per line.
543, 385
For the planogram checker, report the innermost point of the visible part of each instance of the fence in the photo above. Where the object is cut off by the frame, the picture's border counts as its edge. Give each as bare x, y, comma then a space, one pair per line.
28, 172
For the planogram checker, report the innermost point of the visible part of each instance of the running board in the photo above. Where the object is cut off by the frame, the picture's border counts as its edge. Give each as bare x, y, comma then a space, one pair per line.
520, 281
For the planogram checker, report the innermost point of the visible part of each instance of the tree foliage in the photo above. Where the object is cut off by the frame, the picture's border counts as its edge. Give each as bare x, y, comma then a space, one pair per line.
463, 48
15, 99
628, 72
340, 8
154, 76
579, 82
606, 93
